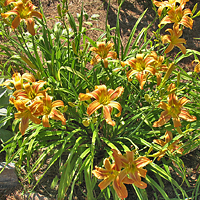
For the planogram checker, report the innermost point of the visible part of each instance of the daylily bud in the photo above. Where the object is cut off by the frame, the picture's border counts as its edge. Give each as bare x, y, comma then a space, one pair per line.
86, 122
71, 104
149, 151
169, 71
179, 130
65, 108
178, 78
94, 120
38, 74
147, 97
85, 104
74, 48
28, 62
59, 10
123, 64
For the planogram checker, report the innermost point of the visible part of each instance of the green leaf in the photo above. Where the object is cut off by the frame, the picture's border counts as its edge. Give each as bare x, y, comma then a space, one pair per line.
5, 135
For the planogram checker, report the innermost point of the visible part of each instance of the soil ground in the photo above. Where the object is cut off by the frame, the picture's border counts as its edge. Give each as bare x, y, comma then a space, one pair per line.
130, 11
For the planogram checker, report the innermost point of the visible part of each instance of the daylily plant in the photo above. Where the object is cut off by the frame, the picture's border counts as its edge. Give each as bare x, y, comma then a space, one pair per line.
24, 11
102, 53
174, 109
172, 147
104, 98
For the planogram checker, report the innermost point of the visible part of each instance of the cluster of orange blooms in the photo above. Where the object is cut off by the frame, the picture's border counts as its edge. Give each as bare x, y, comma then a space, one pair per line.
24, 11
32, 102
180, 17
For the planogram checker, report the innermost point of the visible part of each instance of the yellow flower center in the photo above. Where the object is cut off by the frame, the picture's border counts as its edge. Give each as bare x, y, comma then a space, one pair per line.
46, 110
31, 95
104, 99
103, 53
140, 65
179, 17
24, 13
174, 111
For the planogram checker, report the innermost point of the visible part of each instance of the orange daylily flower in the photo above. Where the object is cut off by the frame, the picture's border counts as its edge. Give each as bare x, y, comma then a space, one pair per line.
174, 109
30, 91
24, 11
171, 4
172, 147
17, 80
174, 40
102, 53
141, 67
178, 16
132, 167
28, 110
104, 98
111, 175
49, 111
158, 65
197, 67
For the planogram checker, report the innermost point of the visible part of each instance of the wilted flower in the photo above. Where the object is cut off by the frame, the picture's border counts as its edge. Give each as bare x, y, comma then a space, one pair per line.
172, 147
102, 53
24, 10
174, 40
174, 109
104, 98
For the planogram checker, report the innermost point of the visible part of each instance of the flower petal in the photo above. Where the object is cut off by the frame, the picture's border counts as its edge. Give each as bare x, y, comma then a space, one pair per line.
107, 115
30, 26
164, 118
45, 121
120, 190
57, 115
116, 93
186, 116
16, 22
95, 105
